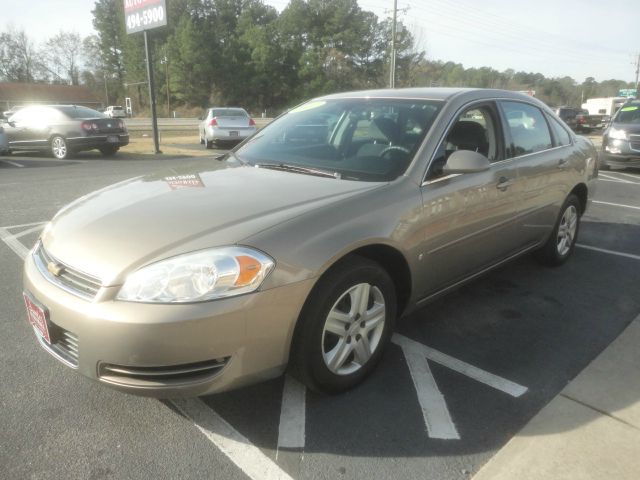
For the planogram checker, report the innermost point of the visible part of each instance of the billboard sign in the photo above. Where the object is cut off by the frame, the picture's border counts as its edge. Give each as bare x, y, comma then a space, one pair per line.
627, 92
142, 15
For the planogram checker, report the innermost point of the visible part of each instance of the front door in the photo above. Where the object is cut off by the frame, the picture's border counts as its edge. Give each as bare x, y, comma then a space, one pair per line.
468, 219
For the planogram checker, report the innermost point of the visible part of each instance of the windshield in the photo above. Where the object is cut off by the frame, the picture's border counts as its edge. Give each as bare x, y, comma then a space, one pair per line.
629, 114
361, 139
73, 111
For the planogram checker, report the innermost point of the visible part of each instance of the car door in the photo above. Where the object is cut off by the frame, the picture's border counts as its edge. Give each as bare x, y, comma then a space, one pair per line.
542, 163
468, 219
29, 128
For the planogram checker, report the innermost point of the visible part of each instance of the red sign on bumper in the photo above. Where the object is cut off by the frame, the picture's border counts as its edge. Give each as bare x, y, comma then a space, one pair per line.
37, 318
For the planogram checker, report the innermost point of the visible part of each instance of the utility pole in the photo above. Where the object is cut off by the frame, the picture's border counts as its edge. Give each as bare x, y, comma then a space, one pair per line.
152, 95
392, 67
165, 60
637, 74
106, 89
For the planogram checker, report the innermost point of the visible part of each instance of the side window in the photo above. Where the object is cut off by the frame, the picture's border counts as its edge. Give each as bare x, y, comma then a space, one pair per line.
561, 135
475, 129
528, 128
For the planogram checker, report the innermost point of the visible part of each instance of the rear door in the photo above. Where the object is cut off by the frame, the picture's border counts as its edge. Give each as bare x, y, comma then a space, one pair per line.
468, 218
542, 159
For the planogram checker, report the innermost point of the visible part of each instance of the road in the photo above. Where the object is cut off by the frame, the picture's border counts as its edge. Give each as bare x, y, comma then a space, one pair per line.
463, 375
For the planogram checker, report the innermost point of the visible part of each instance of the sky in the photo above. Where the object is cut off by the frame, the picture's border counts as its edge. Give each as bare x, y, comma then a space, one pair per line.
576, 38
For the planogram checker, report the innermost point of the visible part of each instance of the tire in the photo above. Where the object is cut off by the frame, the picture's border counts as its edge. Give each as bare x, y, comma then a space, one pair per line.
109, 151
201, 139
336, 344
208, 143
562, 241
59, 148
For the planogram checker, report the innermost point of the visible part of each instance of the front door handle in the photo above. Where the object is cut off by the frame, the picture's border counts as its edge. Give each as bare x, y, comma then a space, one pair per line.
503, 183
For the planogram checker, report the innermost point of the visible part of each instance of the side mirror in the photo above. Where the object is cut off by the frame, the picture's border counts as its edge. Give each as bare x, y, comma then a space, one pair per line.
466, 161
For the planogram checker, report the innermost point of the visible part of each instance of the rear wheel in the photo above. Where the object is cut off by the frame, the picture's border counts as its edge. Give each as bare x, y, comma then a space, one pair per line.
59, 148
208, 143
345, 325
201, 139
109, 151
562, 241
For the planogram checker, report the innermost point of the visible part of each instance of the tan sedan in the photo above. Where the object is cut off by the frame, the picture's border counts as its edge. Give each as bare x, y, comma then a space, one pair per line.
302, 246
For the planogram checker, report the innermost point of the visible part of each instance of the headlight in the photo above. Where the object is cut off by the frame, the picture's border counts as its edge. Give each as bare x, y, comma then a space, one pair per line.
617, 134
198, 276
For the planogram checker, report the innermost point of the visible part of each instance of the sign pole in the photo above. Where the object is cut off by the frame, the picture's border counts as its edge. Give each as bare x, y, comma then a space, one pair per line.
152, 95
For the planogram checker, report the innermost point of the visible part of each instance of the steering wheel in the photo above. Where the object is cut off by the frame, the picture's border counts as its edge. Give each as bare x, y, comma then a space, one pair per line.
393, 148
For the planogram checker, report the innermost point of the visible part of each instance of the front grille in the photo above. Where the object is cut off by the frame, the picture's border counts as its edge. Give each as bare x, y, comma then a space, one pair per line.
72, 280
634, 142
165, 375
64, 345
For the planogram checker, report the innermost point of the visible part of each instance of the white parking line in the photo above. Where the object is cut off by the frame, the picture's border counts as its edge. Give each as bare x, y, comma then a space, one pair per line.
291, 431
599, 202
13, 243
610, 252
249, 458
11, 227
15, 164
635, 177
494, 381
434, 407
29, 230
607, 178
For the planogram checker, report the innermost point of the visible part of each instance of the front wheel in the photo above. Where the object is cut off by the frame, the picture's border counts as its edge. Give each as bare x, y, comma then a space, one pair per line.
344, 327
59, 148
562, 241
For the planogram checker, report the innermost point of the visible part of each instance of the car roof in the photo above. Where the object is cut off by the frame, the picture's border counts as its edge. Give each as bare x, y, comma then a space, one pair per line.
429, 93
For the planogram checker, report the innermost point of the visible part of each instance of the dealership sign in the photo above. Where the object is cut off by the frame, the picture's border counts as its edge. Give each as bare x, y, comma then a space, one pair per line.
142, 15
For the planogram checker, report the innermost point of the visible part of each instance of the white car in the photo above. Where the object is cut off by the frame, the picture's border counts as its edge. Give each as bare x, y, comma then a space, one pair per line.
225, 125
115, 112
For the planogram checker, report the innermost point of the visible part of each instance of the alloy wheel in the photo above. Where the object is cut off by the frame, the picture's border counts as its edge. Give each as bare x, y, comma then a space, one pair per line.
567, 230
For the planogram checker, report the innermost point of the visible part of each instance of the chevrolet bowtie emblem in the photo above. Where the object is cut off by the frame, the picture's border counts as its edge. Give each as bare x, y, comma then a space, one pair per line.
55, 268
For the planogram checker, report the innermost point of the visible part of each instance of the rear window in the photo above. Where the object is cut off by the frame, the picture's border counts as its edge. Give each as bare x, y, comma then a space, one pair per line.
228, 112
80, 112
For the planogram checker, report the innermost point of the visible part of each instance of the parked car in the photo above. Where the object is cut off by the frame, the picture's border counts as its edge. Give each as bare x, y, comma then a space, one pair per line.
115, 112
225, 125
567, 115
621, 140
209, 277
64, 129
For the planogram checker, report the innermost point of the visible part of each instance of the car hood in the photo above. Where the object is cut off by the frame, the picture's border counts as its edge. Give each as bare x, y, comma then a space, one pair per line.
112, 231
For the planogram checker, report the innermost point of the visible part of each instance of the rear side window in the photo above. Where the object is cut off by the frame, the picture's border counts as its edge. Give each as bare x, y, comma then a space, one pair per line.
528, 128
561, 135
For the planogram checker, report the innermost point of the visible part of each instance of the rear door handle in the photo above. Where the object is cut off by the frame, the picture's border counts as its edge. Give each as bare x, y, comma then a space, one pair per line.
503, 183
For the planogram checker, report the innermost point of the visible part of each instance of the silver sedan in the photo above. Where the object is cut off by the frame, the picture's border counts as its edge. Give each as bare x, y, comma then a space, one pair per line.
225, 125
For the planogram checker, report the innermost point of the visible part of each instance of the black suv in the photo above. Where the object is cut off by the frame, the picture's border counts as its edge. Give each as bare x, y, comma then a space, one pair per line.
621, 140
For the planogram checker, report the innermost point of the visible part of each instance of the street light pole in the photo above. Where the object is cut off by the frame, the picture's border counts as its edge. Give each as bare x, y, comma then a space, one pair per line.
392, 67
106, 89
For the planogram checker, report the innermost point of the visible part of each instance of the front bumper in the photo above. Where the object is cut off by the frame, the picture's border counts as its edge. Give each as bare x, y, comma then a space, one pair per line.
170, 350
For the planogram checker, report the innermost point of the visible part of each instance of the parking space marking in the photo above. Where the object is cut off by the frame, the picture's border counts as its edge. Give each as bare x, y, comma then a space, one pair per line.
610, 252
613, 178
600, 202
15, 164
28, 231
482, 376
13, 243
291, 431
249, 458
635, 177
434, 407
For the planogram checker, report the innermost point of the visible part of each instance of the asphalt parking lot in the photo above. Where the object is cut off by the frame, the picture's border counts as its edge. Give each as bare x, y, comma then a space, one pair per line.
463, 375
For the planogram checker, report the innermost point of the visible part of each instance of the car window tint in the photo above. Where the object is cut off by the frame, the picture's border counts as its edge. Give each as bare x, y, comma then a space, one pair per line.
629, 114
74, 111
528, 128
561, 135
475, 129
229, 112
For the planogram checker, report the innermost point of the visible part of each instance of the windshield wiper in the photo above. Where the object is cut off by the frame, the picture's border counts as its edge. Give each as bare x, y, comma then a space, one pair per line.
287, 167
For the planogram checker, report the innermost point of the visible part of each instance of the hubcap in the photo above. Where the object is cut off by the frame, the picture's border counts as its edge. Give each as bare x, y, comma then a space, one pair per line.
567, 230
353, 329
59, 147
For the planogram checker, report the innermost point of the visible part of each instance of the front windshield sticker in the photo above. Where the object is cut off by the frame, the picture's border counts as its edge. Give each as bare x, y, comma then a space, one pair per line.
307, 106
628, 109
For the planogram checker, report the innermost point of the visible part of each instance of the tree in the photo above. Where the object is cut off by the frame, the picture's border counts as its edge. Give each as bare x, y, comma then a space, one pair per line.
63, 55
19, 59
